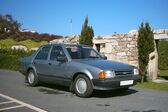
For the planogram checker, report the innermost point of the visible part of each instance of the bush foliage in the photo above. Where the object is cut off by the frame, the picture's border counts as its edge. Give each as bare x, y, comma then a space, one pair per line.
163, 52
10, 59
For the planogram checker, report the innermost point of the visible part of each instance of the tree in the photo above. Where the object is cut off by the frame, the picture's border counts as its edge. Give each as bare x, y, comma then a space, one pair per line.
145, 47
7, 23
87, 34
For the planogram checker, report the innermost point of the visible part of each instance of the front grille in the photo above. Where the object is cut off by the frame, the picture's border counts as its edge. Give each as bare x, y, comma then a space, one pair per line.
130, 72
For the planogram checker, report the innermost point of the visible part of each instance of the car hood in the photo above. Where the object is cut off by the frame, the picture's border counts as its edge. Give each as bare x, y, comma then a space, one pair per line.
107, 65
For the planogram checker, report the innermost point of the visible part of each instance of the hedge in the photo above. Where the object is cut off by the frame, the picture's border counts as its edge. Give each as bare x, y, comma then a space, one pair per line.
10, 59
163, 55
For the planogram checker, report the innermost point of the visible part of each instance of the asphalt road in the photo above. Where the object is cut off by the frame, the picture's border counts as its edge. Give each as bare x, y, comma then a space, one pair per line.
17, 96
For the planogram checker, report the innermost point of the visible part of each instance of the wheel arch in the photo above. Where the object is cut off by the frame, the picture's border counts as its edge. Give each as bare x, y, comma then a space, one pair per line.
31, 68
89, 76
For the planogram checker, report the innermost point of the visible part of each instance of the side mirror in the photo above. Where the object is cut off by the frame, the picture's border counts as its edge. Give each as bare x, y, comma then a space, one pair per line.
62, 58
105, 57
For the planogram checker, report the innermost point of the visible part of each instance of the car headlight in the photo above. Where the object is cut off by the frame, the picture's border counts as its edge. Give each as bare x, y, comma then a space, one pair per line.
136, 71
106, 74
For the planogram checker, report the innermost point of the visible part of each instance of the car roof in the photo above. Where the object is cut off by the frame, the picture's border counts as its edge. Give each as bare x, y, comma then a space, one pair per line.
64, 44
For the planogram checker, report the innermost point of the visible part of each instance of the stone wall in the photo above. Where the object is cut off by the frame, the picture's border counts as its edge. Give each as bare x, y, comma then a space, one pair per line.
119, 47
123, 47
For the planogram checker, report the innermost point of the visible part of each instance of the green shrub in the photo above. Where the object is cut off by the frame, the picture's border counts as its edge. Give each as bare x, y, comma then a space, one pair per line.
145, 46
10, 59
9, 62
163, 52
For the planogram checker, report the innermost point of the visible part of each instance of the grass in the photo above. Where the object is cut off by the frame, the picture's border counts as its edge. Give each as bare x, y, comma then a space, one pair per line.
31, 44
159, 86
163, 75
153, 85
8, 43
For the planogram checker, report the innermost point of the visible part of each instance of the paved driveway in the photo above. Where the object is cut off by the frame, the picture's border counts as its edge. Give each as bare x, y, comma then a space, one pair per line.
15, 93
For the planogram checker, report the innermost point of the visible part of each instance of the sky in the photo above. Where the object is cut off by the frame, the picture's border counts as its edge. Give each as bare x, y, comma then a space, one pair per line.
105, 16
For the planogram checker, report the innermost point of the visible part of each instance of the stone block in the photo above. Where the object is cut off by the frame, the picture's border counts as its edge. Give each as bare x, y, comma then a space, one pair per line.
121, 54
129, 39
114, 44
108, 47
129, 45
133, 42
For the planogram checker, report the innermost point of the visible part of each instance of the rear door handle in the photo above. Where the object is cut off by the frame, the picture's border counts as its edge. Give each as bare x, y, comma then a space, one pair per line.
49, 63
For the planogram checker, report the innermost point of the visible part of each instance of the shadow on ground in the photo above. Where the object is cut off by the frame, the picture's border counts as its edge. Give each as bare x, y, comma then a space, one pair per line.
113, 93
164, 77
57, 89
53, 89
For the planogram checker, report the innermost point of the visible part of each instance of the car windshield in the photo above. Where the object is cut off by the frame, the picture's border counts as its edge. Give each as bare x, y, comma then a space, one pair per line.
79, 52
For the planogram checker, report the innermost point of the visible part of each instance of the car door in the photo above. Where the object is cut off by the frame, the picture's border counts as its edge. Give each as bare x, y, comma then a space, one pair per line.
41, 61
58, 68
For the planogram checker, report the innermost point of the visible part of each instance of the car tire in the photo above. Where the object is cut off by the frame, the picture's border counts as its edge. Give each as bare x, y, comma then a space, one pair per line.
32, 78
82, 86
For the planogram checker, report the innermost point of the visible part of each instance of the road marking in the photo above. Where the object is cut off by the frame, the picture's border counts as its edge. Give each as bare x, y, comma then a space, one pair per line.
22, 104
2, 103
13, 107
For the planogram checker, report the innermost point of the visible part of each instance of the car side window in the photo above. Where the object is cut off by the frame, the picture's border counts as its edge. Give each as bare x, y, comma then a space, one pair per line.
43, 53
56, 52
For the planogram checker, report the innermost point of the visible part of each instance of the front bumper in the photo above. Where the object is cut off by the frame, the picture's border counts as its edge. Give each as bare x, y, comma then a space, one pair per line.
114, 83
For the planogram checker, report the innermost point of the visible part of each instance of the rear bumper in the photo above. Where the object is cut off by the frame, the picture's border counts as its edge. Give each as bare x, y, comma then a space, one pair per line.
114, 83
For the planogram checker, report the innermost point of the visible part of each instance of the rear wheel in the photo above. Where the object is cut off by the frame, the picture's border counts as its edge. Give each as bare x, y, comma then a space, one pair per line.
32, 78
82, 86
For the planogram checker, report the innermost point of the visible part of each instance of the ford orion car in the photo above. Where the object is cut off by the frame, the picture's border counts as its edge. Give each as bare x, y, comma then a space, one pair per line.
79, 67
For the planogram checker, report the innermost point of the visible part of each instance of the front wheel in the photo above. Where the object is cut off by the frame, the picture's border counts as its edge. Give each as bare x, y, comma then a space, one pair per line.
82, 86
32, 78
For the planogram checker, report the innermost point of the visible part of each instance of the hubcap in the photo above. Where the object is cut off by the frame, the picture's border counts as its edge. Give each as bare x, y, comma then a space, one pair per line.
31, 77
81, 86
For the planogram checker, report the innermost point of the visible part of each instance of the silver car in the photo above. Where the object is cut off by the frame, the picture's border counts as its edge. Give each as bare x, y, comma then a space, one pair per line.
79, 67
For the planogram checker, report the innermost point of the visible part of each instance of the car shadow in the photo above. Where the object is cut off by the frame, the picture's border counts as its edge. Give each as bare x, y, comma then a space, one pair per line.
57, 89
113, 93
52, 88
